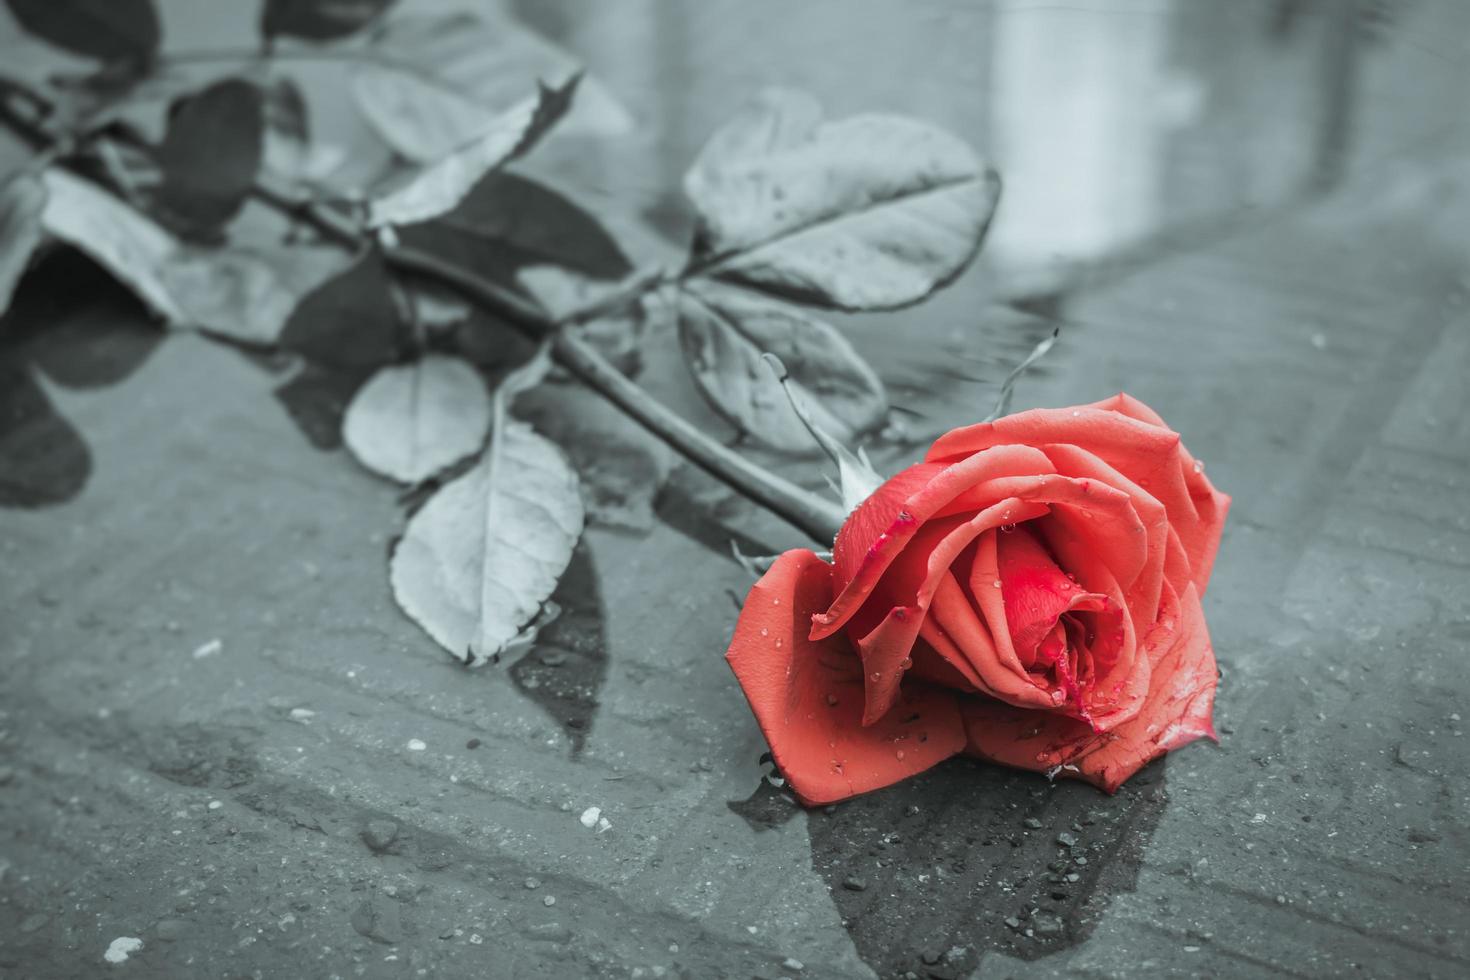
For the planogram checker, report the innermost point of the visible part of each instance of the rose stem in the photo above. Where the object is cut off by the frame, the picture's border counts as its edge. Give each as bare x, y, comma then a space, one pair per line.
817, 516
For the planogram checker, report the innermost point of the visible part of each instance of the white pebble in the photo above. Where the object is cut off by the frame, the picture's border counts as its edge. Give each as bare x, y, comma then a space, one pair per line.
121, 948
215, 804
417, 745
590, 816
208, 649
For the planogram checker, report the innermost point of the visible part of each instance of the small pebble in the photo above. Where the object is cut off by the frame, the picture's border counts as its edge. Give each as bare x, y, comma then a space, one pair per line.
417, 745
1032, 823
1067, 839
533, 883
854, 884
590, 816
473, 743
793, 964
200, 652
1046, 924
121, 948
379, 835
549, 901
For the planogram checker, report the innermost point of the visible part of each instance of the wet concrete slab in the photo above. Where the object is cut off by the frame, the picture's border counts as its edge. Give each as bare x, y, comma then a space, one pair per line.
220, 737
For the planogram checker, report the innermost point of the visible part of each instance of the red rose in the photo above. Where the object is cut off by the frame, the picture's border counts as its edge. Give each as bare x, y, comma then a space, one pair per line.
1029, 594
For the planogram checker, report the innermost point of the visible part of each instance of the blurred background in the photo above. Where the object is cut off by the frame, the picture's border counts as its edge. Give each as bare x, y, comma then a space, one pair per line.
1116, 123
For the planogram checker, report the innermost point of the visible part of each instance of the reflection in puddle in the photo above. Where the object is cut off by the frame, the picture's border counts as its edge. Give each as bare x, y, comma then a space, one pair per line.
931, 873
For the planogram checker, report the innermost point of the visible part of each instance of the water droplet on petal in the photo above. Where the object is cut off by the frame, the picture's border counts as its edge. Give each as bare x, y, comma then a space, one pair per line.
1076, 414
765, 632
779, 643
996, 583
1199, 466
876, 676
832, 699
899, 754
775, 602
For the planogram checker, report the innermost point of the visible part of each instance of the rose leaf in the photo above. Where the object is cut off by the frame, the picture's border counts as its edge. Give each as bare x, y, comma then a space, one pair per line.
411, 421
318, 20
22, 200
109, 30
724, 331
438, 187
440, 81
476, 564
869, 212
512, 221
211, 154
122, 240
246, 295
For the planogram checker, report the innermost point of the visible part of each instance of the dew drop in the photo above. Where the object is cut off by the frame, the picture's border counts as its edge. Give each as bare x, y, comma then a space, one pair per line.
1008, 528
1199, 466
775, 602
907, 663
898, 754
1076, 415
832, 700
765, 632
996, 583
876, 676
1041, 757
779, 643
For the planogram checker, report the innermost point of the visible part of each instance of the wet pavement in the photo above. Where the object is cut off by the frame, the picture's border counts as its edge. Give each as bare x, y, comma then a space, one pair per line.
220, 737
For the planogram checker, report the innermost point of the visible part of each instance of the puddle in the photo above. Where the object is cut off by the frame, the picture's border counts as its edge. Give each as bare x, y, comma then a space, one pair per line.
975, 857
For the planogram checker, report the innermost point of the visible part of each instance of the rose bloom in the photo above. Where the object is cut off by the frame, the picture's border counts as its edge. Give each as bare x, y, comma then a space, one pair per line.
1028, 594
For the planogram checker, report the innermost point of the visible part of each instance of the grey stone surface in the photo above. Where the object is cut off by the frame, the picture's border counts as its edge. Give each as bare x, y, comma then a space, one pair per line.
234, 803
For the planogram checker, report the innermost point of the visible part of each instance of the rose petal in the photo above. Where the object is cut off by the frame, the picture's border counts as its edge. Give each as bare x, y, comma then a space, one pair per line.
984, 573
1202, 537
1036, 591
859, 561
1131, 438
887, 647
1142, 595
1180, 702
1177, 711
807, 695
